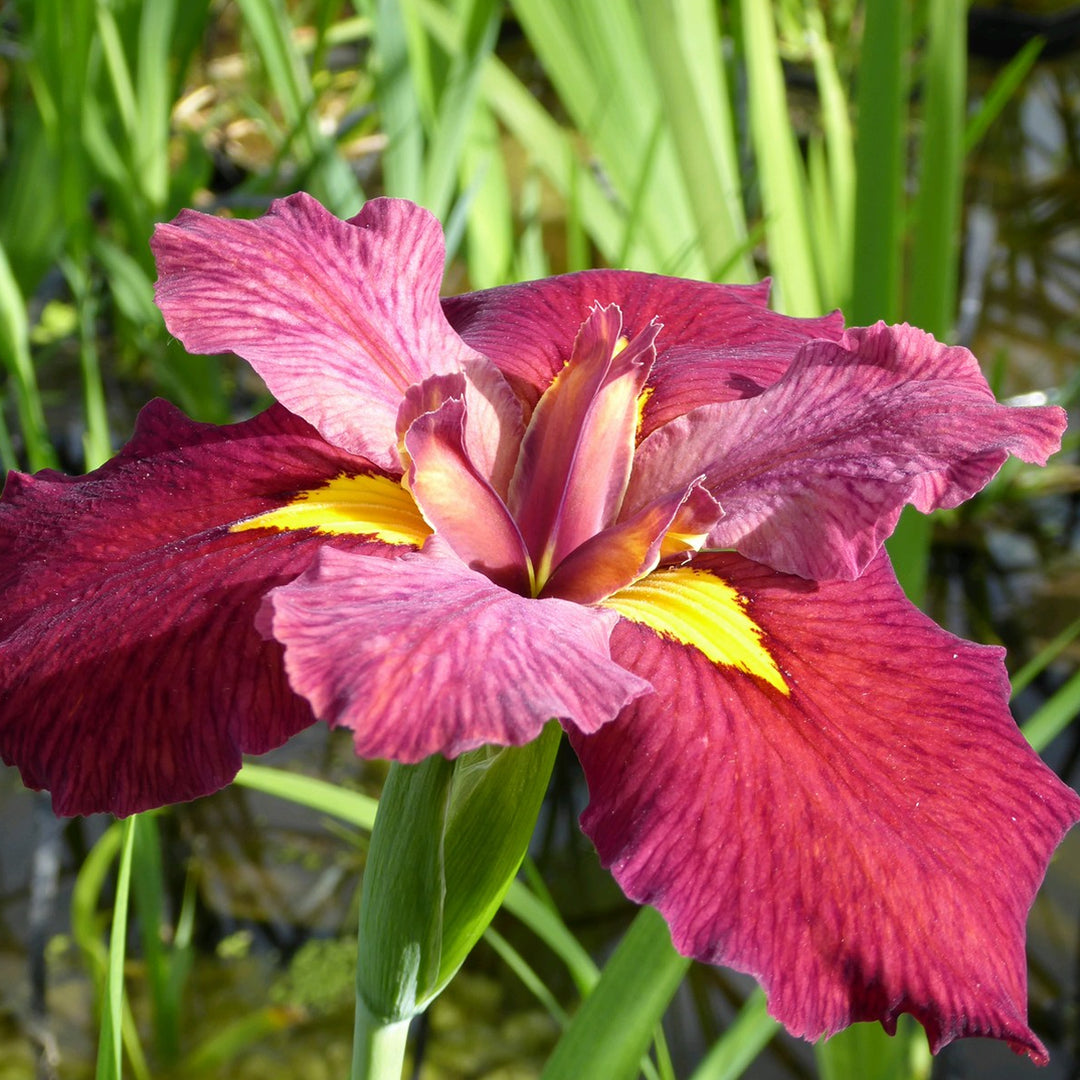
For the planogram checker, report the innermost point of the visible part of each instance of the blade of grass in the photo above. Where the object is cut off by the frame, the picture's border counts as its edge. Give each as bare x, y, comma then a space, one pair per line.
1055, 716
350, 806
782, 178
613, 1027
931, 301
1001, 92
880, 164
15, 354
1045, 657
683, 40
732, 1054
110, 1044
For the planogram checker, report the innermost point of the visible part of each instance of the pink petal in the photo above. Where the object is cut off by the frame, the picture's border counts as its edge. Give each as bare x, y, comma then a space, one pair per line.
614, 558
813, 473
575, 458
457, 500
719, 341
422, 655
130, 668
838, 842
337, 317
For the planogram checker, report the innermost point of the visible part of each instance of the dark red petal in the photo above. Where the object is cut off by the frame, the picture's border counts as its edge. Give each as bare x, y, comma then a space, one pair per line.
813, 473
131, 673
719, 342
867, 844
423, 656
338, 317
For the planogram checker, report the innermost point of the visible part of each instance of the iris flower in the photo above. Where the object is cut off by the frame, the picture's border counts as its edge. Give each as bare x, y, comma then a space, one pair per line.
650, 508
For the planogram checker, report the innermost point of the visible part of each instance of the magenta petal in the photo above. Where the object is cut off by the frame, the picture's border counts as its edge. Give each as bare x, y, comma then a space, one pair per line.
457, 500
813, 473
131, 671
422, 655
842, 843
337, 317
576, 454
719, 342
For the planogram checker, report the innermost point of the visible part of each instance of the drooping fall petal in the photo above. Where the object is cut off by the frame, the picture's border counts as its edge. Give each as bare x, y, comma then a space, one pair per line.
338, 317
422, 655
837, 841
813, 473
131, 671
719, 342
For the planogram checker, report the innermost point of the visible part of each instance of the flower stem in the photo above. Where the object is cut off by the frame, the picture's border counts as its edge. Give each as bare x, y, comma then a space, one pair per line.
378, 1048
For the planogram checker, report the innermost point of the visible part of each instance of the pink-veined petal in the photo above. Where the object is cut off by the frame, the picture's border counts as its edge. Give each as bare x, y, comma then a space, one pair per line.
838, 841
338, 317
813, 473
131, 671
622, 553
576, 454
424, 656
719, 342
457, 500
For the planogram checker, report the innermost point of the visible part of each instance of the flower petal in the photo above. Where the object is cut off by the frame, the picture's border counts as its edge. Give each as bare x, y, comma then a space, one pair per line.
576, 454
458, 501
625, 552
422, 655
719, 342
337, 317
130, 669
813, 473
838, 842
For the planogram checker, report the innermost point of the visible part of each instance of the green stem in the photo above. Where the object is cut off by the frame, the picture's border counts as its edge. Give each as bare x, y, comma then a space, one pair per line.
378, 1048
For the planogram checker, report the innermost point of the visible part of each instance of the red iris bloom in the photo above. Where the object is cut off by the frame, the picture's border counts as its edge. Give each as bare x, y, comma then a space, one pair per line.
648, 507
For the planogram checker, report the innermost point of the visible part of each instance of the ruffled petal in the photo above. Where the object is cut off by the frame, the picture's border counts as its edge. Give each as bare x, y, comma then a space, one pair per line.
337, 317
839, 840
131, 671
457, 500
575, 458
812, 474
719, 342
671, 527
422, 655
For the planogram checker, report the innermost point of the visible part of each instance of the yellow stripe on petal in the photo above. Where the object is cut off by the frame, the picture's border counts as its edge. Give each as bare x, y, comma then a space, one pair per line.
696, 608
350, 506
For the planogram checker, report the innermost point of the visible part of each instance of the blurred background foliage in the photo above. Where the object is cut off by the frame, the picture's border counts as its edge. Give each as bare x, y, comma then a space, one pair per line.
902, 161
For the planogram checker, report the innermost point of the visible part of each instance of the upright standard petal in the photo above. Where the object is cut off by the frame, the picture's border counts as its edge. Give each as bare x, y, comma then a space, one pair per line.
720, 342
812, 474
575, 457
338, 317
424, 656
834, 834
131, 671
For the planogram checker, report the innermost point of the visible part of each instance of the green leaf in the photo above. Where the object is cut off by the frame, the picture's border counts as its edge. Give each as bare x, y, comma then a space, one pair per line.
613, 1027
351, 806
746, 1037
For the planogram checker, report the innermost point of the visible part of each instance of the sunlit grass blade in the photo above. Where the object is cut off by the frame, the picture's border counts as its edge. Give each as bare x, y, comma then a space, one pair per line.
479, 20
1048, 721
613, 1027
731, 1055
1005, 85
110, 1045
880, 164
1045, 657
399, 103
325, 173
683, 39
350, 806
525, 973
931, 299
780, 169
15, 355
835, 246
866, 1051
489, 251
97, 447
154, 98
